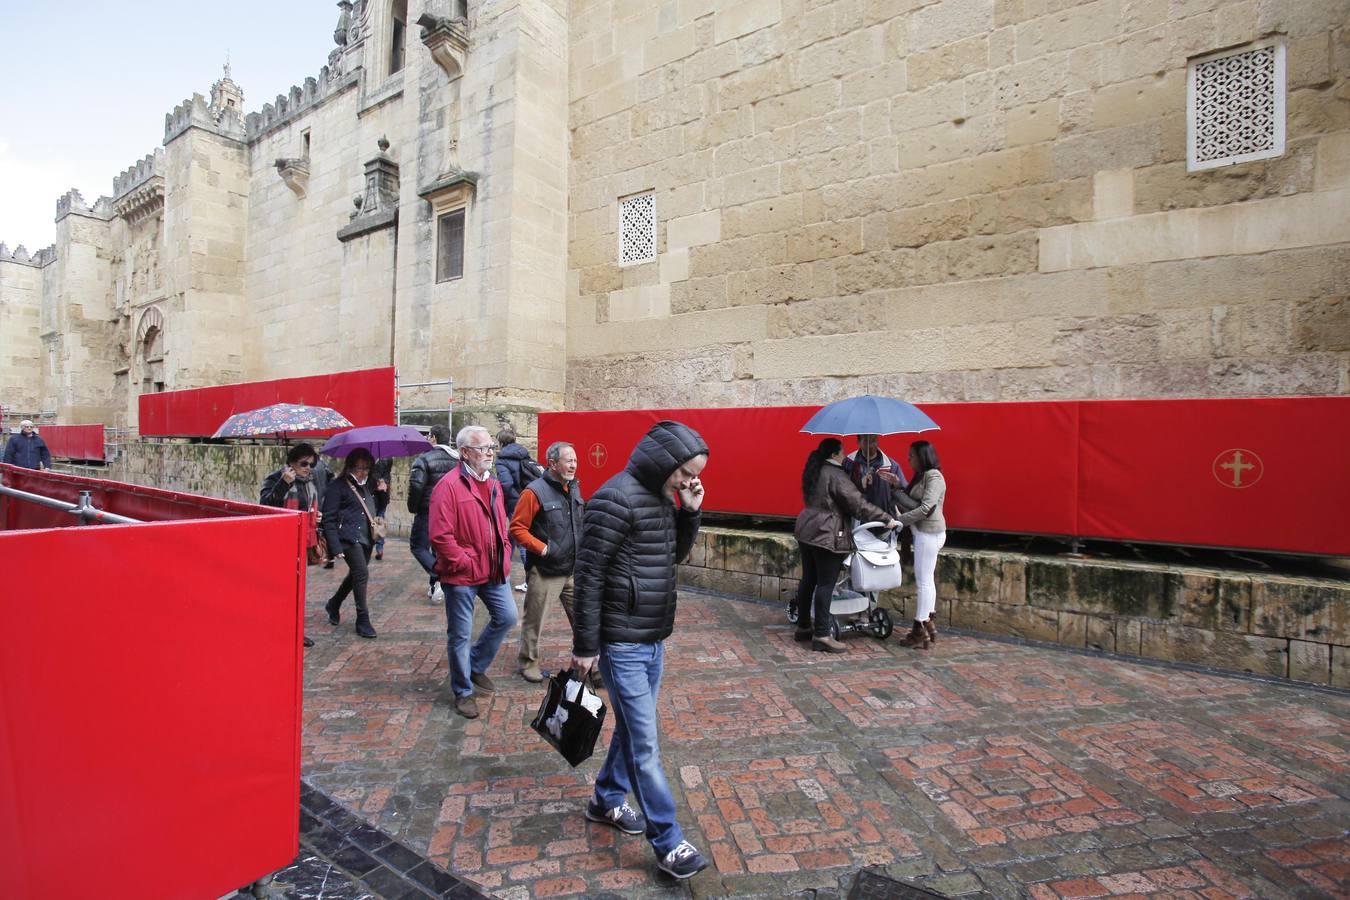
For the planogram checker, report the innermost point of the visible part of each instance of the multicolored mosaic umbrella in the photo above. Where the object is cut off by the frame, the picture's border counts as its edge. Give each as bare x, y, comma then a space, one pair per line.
282, 418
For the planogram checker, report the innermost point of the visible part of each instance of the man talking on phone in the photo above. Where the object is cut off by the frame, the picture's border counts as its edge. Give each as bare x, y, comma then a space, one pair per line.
636, 528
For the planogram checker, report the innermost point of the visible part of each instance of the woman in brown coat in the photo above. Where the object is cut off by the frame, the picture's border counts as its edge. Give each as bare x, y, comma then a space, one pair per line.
825, 536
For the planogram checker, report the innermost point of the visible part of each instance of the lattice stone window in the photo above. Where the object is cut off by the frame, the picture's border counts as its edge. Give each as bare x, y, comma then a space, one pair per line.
637, 228
1235, 105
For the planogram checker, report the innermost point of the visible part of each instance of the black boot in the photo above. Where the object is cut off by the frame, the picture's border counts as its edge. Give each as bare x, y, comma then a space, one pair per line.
363, 627
334, 609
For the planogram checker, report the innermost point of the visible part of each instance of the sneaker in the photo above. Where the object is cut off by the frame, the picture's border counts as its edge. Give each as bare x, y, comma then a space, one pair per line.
624, 818
437, 594
466, 706
531, 673
483, 681
682, 862
521, 588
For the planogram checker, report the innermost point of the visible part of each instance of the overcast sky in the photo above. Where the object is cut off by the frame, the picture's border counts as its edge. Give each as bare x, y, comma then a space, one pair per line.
84, 86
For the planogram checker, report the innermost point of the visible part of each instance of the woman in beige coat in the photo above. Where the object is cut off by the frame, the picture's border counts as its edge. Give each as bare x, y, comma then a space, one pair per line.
927, 490
825, 536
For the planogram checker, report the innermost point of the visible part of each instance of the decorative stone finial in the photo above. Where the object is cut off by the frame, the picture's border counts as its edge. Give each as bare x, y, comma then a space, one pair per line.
383, 144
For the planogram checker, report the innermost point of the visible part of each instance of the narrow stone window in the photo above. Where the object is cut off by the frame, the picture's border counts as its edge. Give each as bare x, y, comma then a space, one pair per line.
450, 246
397, 31
637, 228
304, 143
1235, 101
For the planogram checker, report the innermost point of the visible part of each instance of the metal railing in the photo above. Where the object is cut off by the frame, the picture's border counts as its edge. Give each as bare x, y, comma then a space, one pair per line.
85, 511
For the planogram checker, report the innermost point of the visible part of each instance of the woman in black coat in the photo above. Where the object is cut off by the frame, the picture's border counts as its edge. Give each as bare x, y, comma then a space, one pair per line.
349, 506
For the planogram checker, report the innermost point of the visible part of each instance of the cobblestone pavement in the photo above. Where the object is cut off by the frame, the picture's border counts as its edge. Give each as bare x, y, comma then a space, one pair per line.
976, 767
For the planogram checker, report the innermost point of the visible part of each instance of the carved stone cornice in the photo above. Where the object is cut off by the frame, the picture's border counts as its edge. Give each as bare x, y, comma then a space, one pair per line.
295, 172
449, 191
142, 202
377, 205
448, 41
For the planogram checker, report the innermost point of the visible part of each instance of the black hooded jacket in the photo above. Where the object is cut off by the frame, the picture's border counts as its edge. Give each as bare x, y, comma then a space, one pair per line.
632, 538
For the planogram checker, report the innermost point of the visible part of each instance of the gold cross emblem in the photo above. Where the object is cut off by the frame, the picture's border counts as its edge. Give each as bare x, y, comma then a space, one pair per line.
1238, 468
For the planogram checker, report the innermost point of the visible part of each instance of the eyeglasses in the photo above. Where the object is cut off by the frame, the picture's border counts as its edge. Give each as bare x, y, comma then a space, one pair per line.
483, 448
308, 464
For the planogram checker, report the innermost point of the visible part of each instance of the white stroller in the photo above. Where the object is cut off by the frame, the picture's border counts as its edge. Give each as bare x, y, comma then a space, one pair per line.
872, 568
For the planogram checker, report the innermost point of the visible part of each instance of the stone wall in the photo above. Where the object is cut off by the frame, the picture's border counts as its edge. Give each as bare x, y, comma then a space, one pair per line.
20, 347
949, 200
1266, 624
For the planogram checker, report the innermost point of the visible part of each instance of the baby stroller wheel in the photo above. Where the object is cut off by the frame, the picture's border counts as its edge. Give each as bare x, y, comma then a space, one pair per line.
792, 612
882, 626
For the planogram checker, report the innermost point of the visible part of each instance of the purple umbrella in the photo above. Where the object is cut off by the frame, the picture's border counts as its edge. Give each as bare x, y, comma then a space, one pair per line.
381, 440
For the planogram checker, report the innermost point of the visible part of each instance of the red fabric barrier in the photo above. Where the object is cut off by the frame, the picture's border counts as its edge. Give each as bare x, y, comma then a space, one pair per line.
365, 397
136, 749
74, 441
1268, 474
1074, 468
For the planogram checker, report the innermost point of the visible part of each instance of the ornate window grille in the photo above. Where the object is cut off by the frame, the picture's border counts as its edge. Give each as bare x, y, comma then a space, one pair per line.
1235, 102
637, 228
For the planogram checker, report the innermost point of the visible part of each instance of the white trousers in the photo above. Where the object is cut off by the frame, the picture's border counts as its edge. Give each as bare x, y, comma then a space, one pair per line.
926, 547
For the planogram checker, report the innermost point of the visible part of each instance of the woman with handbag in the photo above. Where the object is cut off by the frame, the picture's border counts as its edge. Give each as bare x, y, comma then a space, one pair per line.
825, 537
927, 490
294, 486
352, 529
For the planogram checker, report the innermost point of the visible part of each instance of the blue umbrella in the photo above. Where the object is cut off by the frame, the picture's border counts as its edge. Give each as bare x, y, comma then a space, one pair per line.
381, 440
869, 415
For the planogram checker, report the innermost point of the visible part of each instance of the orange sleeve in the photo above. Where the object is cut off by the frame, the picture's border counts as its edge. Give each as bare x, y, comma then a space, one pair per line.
526, 509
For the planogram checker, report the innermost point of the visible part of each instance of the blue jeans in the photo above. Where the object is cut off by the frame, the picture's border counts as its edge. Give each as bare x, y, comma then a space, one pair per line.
420, 543
501, 607
632, 673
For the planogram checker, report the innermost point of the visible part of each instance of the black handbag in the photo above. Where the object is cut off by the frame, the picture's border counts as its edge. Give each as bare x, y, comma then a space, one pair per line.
566, 724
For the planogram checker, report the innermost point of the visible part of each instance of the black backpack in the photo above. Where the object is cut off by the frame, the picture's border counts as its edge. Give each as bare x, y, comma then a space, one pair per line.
529, 471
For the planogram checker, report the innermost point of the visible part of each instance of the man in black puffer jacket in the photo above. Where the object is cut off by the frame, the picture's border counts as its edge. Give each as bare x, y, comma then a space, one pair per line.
427, 471
633, 535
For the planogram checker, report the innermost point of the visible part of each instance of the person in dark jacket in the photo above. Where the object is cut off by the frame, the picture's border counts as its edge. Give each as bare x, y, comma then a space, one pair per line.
28, 449
469, 533
293, 486
428, 469
348, 511
623, 608
824, 533
513, 460
547, 523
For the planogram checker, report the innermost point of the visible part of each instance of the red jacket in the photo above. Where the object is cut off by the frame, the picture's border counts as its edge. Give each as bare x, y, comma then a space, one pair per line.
462, 531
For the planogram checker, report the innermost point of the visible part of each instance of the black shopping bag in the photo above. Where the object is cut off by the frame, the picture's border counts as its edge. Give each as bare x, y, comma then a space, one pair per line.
571, 726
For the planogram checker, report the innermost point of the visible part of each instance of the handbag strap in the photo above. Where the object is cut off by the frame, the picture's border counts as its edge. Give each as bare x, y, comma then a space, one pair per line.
362, 501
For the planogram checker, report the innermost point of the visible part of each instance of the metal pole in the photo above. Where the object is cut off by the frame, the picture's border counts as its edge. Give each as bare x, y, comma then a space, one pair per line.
85, 509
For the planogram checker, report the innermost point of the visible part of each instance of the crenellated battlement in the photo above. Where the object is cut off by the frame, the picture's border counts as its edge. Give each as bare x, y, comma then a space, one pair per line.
72, 201
20, 255
139, 174
195, 113
300, 99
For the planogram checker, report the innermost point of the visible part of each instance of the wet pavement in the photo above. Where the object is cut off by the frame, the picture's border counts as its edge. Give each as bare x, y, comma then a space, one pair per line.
978, 767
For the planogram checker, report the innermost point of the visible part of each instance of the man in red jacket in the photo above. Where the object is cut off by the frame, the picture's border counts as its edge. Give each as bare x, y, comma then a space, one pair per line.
472, 543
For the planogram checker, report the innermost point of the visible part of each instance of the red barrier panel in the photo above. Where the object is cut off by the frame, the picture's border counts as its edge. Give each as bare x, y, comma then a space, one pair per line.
74, 441
1076, 468
365, 397
1269, 474
150, 689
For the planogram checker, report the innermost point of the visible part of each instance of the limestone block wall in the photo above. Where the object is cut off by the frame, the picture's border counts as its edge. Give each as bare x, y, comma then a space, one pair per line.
294, 261
948, 200
78, 322
20, 347
205, 217
1288, 627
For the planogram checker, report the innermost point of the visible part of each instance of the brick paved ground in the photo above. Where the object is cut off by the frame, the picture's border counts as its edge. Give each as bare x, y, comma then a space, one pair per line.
977, 767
